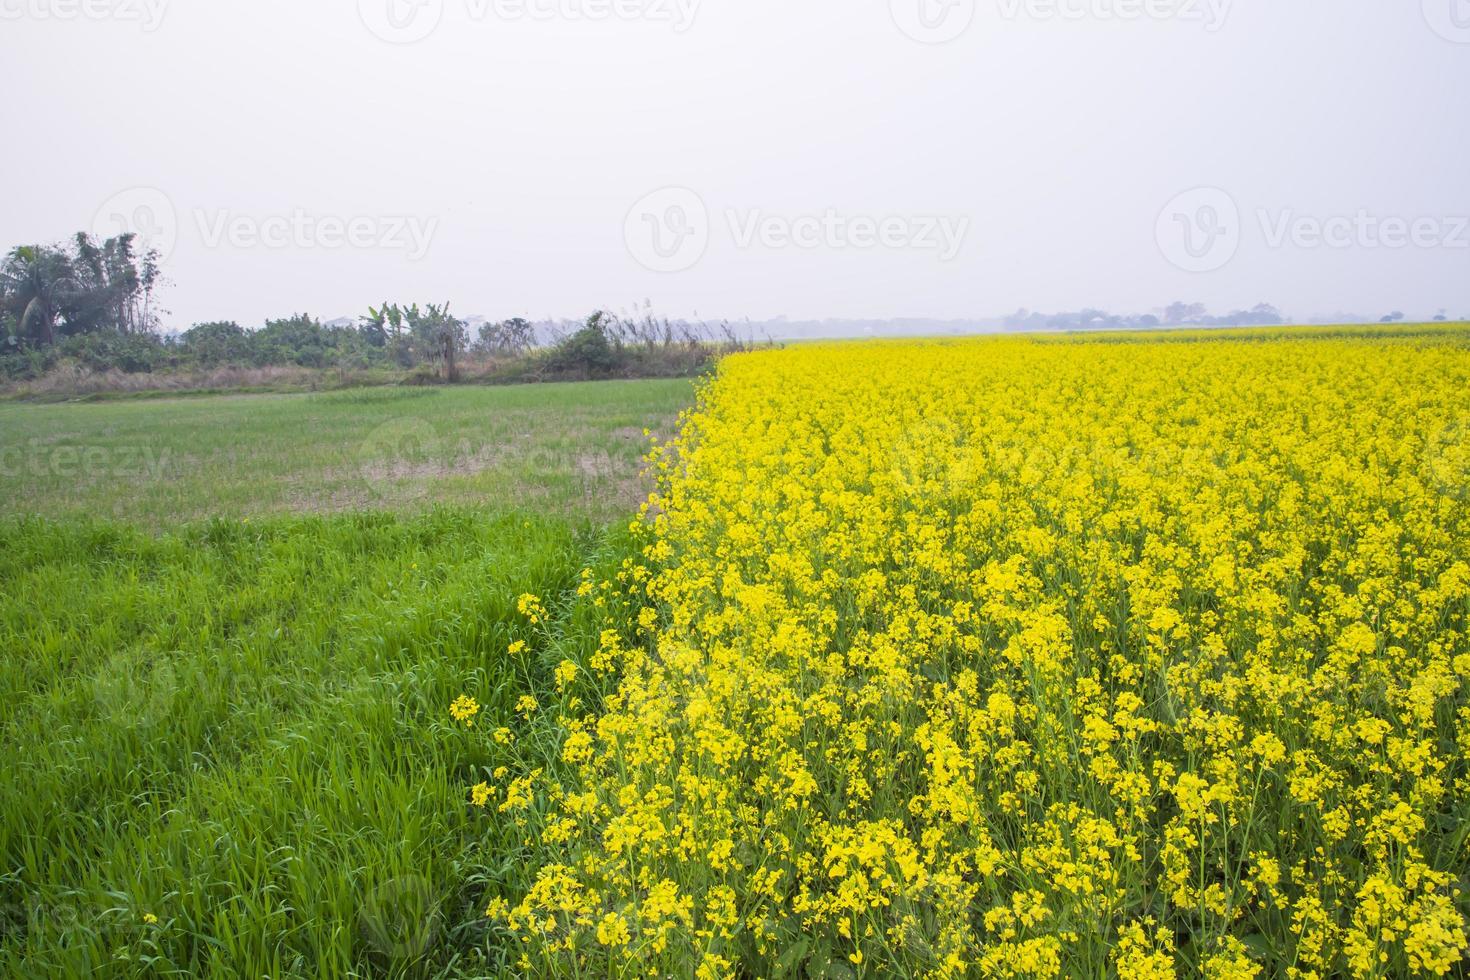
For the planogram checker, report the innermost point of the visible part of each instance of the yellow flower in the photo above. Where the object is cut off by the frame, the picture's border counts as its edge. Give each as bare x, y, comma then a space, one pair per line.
530, 606
612, 930
566, 672
464, 710
942, 653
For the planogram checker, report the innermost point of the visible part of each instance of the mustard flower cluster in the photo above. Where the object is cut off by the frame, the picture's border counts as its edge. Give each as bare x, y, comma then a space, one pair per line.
1032, 658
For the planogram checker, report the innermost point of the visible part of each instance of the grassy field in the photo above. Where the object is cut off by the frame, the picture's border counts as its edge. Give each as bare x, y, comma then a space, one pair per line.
230, 633
1132, 655
566, 449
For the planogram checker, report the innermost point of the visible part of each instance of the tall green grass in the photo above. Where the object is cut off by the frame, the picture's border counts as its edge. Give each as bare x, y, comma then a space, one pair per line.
241, 728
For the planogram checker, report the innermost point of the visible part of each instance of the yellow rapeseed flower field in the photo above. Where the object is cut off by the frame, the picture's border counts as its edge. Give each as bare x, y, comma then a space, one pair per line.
1043, 658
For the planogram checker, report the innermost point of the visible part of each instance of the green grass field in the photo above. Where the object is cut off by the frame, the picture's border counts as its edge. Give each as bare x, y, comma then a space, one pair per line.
568, 449
226, 748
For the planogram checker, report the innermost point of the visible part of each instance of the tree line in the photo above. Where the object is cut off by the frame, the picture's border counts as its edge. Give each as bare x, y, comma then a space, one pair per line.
92, 304
1174, 315
51, 292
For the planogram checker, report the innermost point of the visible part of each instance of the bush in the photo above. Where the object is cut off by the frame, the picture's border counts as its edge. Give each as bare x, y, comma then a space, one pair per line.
588, 352
19, 363
213, 344
129, 353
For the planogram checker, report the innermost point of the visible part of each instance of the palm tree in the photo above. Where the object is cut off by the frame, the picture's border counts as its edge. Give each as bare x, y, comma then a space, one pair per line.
37, 282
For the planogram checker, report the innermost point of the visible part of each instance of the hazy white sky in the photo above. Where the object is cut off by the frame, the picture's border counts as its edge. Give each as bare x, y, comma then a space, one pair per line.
741, 158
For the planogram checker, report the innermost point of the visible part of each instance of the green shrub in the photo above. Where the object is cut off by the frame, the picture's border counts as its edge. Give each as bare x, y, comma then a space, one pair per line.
108, 351
588, 352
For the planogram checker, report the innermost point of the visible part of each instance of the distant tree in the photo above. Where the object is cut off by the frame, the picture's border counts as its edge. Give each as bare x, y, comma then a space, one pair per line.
213, 344
373, 328
437, 336
299, 340
1393, 317
116, 286
414, 335
1177, 312
48, 292
507, 338
1266, 315
390, 322
36, 283
1017, 320
448, 337
589, 351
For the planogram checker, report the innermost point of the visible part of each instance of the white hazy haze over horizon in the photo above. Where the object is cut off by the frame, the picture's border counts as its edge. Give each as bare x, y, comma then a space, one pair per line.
752, 158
